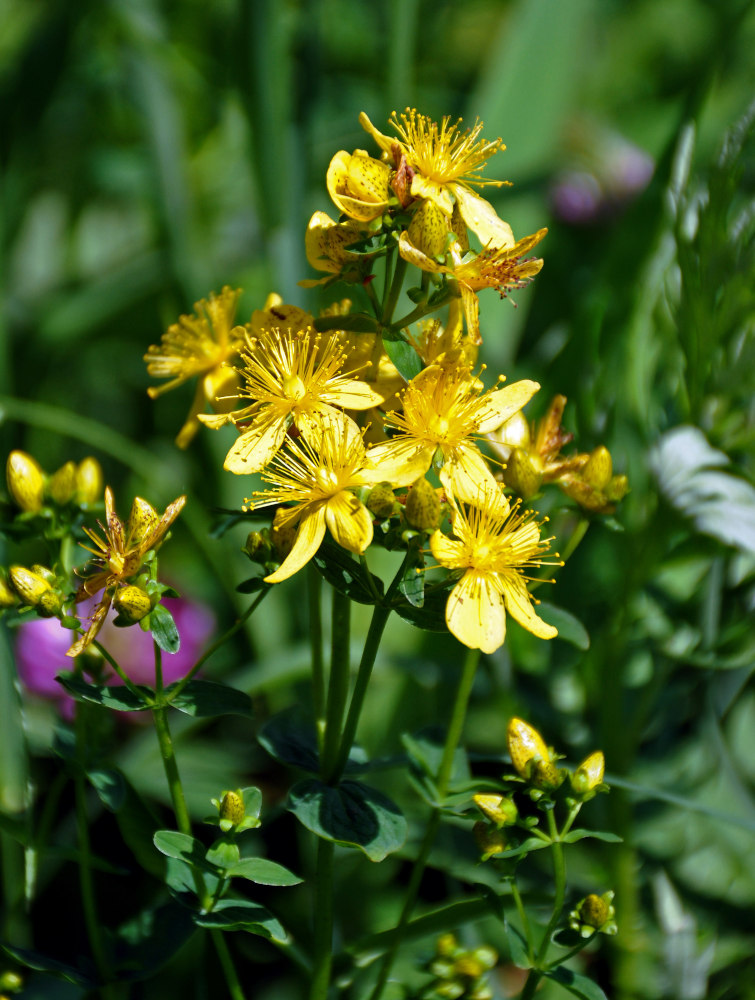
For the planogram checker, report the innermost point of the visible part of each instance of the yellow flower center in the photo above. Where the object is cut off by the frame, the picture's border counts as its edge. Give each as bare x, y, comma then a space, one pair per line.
327, 480
294, 387
444, 153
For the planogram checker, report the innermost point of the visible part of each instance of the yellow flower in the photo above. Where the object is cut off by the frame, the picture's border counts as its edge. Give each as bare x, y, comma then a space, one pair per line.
277, 313
119, 556
359, 185
500, 268
200, 344
443, 410
494, 544
445, 163
317, 478
327, 247
292, 381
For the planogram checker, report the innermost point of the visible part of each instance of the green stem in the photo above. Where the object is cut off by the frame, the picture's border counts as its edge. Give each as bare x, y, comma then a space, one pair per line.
559, 879
423, 309
314, 591
127, 682
576, 537
323, 921
226, 962
523, 918
573, 813
443, 779
389, 306
86, 882
218, 643
338, 685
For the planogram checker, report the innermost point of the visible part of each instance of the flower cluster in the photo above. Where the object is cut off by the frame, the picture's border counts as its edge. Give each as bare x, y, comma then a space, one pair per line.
377, 430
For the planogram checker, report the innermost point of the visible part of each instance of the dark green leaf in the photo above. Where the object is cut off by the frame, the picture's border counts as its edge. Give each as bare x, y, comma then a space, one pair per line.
164, 630
224, 853
241, 915
351, 814
345, 574
137, 825
290, 738
517, 946
122, 699
530, 844
204, 699
575, 983
262, 872
431, 616
570, 629
355, 323
148, 942
408, 363
184, 848
109, 785
42, 963
253, 585
425, 750
412, 584
574, 835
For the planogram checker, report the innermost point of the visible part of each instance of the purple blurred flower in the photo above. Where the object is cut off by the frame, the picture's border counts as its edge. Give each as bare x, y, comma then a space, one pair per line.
41, 646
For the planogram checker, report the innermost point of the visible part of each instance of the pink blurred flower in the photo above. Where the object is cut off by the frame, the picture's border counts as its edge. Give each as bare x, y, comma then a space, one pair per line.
41, 647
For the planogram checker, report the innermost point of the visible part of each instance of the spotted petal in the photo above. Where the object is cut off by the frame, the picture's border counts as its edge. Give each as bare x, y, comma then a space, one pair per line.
482, 218
466, 475
400, 461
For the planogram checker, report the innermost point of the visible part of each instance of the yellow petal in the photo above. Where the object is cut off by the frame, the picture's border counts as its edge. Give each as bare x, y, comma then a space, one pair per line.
500, 405
466, 475
353, 394
415, 256
308, 540
349, 522
475, 612
482, 218
429, 229
386, 142
519, 606
438, 194
471, 305
447, 551
256, 447
400, 461
358, 185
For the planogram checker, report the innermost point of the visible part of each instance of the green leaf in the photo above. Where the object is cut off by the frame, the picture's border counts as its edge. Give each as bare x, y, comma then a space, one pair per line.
412, 584
117, 697
42, 963
345, 574
109, 785
576, 983
408, 363
137, 825
148, 942
262, 872
517, 946
530, 844
184, 848
224, 853
242, 915
425, 751
352, 814
355, 323
570, 629
252, 585
431, 616
205, 699
574, 835
163, 629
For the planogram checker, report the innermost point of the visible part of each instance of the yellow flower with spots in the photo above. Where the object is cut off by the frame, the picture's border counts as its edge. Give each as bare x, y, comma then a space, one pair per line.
444, 410
119, 556
326, 244
293, 380
201, 345
494, 544
503, 268
359, 185
317, 478
445, 163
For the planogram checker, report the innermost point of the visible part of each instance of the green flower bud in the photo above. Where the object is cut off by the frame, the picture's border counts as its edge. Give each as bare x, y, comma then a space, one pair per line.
499, 809
486, 956
589, 775
446, 945
594, 913
422, 510
62, 484
132, 604
258, 548
468, 966
490, 839
523, 473
525, 744
26, 481
29, 584
599, 468
380, 501
89, 481
617, 489
232, 808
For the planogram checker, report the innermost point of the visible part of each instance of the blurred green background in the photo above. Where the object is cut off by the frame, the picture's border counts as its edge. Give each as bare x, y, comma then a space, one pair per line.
151, 152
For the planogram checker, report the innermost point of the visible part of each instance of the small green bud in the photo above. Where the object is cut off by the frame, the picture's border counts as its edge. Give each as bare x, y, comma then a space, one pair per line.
594, 913
523, 473
132, 604
498, 809
486, 956
422, 510
381, 501
258, 548
62, 484
26, 481
490, 839
446, 945
599, 468
232, 808
89, 481
468, 966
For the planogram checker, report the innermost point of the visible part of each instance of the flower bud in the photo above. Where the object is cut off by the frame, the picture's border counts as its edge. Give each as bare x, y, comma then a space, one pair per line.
11, 981
515, 432
499, 809
422, 510
282, 534
486, 956
89, 481
62, 484
257, 547
525, 745
446, 945
132, 604
523, 473
468, 966
594, 913
26, 481
35, 590
380, 501
598, 468
8, 597
490, 839
232, 808
589, 774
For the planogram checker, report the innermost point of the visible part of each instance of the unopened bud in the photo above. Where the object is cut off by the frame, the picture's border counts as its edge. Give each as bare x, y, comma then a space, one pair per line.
515, 432
35, 591
486, 956
232, 808
381, 501
62, 485
26, 481
546, 776
8, 597
589, 774
257, 547
282, 534
468, 966
132, 604
617, 489
141, 520
599, 468
594, 910
523, 473
525, 744
446, 945
490, 839
499, 809
11, 981
89, 481
422, 508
